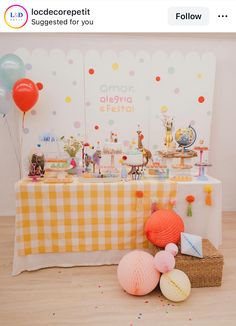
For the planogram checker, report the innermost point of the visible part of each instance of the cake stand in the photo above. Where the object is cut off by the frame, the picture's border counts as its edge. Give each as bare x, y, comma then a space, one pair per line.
201, 150
35, 178
182, 156
60, 175
202, 176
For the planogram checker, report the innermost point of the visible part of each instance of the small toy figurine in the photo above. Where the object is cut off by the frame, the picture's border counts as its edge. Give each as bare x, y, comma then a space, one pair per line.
84, 157
168, 124
97, 155
146, 153
87, 161
123, 173
136, 172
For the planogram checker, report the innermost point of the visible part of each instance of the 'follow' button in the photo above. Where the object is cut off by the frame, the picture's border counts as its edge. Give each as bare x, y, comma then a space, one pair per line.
188, 16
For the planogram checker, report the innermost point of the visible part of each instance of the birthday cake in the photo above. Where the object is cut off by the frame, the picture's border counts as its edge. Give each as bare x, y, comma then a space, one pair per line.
112, 146
134, 157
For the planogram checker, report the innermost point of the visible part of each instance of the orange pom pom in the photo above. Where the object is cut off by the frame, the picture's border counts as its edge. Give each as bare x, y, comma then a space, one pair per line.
208, 200
139, 194
190, 199
164, 226
208, 191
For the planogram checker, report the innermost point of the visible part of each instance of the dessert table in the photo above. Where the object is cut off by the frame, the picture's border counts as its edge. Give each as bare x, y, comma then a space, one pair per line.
95, 224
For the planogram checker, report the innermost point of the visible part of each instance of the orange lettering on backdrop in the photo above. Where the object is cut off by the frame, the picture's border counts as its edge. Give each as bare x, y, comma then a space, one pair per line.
116, 109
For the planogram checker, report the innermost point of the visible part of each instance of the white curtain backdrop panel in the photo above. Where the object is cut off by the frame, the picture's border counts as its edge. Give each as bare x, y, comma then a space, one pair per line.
91, 94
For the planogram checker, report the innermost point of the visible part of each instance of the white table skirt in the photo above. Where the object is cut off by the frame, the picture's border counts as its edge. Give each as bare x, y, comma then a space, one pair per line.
206, 222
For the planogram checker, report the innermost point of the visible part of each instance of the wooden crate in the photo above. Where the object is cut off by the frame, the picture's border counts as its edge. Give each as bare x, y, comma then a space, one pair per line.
202, 272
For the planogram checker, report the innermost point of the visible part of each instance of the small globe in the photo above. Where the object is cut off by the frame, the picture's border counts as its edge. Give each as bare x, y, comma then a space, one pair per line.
185, 137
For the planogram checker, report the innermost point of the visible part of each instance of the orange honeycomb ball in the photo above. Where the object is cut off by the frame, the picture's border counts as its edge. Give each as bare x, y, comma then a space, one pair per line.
164, 226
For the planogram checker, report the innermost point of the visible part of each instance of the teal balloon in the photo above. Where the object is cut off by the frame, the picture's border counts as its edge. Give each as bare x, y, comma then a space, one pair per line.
5, 101
12, 68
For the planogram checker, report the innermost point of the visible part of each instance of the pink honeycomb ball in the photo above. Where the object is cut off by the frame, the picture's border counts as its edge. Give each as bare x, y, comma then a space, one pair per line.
172, 248
164, 261
136, 273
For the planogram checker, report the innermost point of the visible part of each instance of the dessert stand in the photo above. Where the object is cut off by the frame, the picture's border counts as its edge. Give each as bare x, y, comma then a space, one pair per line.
202, 165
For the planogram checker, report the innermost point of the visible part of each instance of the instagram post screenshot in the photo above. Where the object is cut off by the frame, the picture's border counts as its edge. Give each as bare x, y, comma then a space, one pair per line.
117, 162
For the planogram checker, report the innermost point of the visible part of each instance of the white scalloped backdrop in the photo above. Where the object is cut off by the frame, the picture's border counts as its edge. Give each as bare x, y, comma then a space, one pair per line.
90, 95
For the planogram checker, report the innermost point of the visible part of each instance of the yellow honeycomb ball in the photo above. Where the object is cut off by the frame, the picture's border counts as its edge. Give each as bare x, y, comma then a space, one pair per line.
175, 285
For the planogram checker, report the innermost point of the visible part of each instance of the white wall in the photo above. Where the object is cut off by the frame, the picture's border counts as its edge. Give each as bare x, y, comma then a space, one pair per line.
223, 154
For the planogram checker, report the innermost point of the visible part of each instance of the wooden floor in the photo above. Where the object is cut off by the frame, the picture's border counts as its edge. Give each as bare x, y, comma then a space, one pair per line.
92, 296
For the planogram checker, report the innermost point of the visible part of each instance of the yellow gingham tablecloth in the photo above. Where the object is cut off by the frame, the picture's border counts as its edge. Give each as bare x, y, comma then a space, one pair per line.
85, 216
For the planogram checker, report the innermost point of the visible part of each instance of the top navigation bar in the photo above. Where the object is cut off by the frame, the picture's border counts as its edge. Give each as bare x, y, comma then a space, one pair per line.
117, 16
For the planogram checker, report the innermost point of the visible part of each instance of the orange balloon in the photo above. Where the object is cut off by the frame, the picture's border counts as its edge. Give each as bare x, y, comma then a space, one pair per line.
164, 226
25, 94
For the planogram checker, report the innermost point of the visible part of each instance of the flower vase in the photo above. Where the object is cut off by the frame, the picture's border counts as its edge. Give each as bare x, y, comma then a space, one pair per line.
73, 163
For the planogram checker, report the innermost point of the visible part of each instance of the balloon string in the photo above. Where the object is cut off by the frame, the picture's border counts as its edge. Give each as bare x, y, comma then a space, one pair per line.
16, 127
21, 136
85, 111
13, 144
21, 147
23, 121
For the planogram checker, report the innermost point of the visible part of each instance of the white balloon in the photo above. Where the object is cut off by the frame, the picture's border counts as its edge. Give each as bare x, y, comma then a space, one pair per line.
5, 101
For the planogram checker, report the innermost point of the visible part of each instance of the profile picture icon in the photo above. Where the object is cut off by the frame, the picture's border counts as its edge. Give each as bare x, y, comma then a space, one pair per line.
16, 16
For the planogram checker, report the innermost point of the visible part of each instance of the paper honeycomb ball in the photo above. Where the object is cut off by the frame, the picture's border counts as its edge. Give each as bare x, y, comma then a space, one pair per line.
164, 261
136, 273
175, 285
172, 248
164, 226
